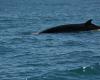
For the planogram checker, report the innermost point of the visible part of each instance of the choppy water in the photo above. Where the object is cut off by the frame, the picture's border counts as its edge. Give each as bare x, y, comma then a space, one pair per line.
25, 56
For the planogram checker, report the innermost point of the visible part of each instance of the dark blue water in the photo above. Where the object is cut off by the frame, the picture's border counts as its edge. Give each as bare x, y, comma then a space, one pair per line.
27, 56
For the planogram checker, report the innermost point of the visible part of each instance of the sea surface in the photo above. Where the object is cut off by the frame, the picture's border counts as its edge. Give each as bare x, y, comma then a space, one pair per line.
64, 56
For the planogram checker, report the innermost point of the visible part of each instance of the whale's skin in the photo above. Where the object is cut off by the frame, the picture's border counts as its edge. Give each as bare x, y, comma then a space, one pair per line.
87, 26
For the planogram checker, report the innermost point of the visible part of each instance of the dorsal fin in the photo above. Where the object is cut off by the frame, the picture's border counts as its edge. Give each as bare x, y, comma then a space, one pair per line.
89, 22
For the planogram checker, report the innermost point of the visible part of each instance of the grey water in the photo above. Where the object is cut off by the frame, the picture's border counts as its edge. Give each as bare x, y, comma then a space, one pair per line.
28, 56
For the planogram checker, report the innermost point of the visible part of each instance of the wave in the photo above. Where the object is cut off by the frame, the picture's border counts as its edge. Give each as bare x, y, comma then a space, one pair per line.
4, 50
73, 74
87, 70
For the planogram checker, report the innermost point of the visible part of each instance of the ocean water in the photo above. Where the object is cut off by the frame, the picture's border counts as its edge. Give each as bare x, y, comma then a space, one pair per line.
28, 56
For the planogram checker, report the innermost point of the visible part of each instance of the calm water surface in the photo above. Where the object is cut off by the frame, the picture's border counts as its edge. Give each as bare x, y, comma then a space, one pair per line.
68, 56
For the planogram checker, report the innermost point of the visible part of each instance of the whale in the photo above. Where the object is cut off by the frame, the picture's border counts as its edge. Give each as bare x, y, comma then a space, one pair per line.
66, 28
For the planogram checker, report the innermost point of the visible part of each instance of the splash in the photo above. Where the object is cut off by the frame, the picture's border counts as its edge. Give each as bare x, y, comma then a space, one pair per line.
92, 69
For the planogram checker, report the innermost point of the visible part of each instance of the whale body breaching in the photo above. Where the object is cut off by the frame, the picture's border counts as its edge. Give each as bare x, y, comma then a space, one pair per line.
87, 26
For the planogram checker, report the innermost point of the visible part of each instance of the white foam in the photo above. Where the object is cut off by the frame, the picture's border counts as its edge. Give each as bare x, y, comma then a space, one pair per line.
84, 69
